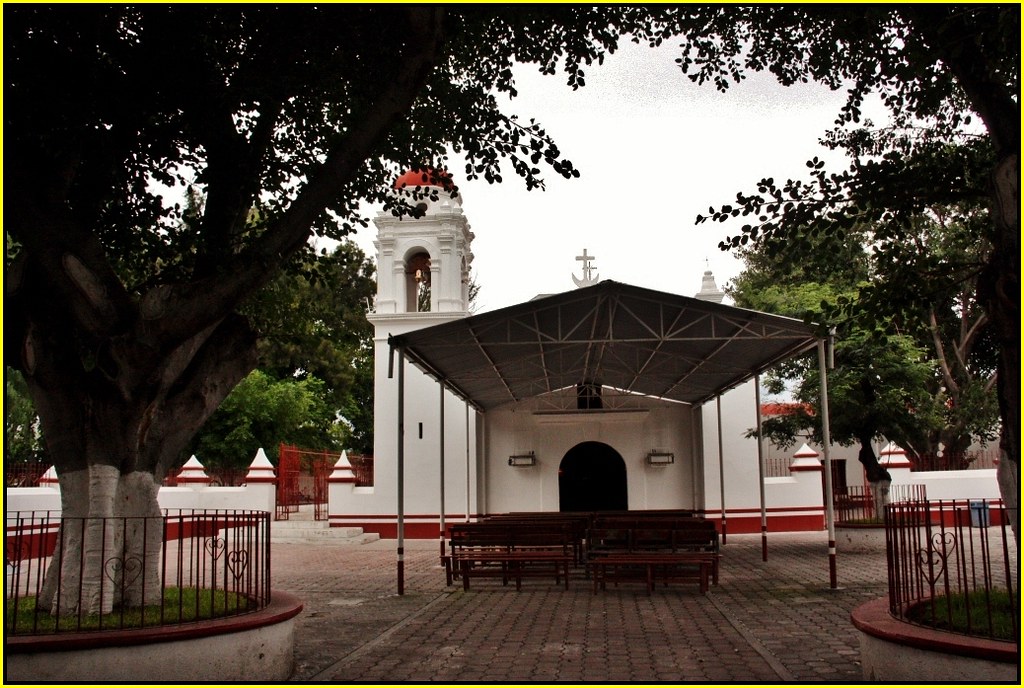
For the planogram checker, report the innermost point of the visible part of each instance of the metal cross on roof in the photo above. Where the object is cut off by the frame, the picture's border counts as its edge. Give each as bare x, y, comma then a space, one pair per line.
588, 278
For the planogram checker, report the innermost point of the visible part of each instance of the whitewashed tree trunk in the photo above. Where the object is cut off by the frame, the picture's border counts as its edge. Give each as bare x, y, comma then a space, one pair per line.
108, 552
143, 539
880, 496
74, 497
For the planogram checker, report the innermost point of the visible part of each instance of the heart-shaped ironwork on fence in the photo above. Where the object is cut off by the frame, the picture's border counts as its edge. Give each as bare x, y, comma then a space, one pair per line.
931, 561
215, 547
238, 561
123, 572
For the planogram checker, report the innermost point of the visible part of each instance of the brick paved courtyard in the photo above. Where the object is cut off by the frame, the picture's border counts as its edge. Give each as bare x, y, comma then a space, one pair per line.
766, 622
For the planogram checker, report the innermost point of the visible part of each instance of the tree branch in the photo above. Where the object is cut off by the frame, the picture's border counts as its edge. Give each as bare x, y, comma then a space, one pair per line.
226, 356
940, 353
206, 300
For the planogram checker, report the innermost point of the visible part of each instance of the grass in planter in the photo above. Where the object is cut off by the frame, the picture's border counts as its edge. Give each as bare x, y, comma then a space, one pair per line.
180, 605
1004, 616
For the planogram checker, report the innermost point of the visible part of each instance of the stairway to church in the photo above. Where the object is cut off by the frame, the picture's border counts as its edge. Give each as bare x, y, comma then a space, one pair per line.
300, 528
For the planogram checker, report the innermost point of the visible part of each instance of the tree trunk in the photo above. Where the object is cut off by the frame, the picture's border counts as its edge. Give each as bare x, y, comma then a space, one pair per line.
113, 432
999, 289
108, 549
878, 477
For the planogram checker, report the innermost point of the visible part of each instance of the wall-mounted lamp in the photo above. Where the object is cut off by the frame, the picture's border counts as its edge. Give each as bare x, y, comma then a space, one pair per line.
661, 458
520, 460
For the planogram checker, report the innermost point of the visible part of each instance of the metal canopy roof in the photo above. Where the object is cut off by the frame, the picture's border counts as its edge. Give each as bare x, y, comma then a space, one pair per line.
620, 336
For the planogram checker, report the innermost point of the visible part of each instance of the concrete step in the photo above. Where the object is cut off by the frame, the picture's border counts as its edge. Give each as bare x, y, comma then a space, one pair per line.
318, 532
300, 524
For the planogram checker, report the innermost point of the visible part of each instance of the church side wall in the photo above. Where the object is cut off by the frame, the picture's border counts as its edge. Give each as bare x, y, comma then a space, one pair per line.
792, 503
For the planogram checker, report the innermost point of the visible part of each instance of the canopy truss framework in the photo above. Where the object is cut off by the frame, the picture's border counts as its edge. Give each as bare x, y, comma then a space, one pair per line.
646, 342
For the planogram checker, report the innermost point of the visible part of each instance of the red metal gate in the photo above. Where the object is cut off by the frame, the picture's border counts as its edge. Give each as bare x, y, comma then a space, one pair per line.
302, 479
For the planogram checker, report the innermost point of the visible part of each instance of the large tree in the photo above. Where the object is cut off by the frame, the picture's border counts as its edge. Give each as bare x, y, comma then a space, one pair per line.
921, 377
880, 383
123, 317
935, 68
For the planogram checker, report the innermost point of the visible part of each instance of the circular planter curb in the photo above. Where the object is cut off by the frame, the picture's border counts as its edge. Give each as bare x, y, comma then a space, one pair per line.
260, 645
860, 537
980, 659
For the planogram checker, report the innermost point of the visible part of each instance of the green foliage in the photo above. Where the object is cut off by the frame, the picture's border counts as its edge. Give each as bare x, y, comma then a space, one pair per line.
253, 105
173, 159
942, 344
913, 203
312, 323
264, 412
180, 605
22, 439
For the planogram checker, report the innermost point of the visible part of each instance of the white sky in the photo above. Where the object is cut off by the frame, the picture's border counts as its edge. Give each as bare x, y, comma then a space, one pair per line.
653, 151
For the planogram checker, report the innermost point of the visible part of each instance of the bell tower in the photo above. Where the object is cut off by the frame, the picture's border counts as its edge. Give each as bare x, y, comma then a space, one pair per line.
423, 261
423, 264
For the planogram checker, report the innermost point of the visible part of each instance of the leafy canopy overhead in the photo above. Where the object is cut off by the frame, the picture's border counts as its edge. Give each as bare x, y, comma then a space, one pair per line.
263, 105
948, 155
283, 120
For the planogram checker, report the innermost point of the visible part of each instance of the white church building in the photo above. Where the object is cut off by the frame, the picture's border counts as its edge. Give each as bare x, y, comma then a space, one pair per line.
604, 397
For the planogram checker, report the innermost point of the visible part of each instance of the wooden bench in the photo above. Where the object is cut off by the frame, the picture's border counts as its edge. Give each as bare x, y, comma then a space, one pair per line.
687, 534
509, 552
654, 552
575, 525
652, 567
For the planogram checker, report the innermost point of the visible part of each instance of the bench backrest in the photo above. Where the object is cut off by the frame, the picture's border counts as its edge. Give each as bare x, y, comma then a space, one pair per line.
652, 538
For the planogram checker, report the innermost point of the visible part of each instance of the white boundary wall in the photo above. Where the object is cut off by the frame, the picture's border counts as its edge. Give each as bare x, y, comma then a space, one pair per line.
258, 494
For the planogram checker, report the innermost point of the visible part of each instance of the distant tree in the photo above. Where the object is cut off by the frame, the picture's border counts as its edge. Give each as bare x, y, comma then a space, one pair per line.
881, 384
945, 392
262, 412
22, 441
312, 321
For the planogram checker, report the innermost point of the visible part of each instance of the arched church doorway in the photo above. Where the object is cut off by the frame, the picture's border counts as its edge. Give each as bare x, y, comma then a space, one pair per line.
592, 477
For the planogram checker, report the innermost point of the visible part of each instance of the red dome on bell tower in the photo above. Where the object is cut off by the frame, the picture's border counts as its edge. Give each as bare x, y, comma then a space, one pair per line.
425, 176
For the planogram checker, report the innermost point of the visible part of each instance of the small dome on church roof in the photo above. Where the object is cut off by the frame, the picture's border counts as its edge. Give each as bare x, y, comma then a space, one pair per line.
425, 176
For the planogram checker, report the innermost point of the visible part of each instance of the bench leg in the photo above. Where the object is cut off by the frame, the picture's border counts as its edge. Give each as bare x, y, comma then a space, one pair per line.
465, 575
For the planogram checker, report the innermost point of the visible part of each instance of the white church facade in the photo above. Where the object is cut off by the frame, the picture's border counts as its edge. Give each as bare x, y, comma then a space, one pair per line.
529, 409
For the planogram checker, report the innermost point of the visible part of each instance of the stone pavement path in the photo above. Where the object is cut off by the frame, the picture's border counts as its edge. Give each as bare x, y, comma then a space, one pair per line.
766, 622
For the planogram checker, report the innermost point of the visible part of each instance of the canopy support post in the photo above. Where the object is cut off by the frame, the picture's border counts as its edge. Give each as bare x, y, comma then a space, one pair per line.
826, 448
467, 464
721, 466
442, 523
760, 470
693, 456
401, 471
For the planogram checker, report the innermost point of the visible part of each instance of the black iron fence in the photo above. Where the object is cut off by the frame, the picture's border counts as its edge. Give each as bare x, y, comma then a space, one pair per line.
81, 574
953, 565
856, 504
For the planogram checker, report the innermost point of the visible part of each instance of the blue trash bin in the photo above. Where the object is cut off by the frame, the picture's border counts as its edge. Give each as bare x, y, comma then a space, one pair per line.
979, 513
